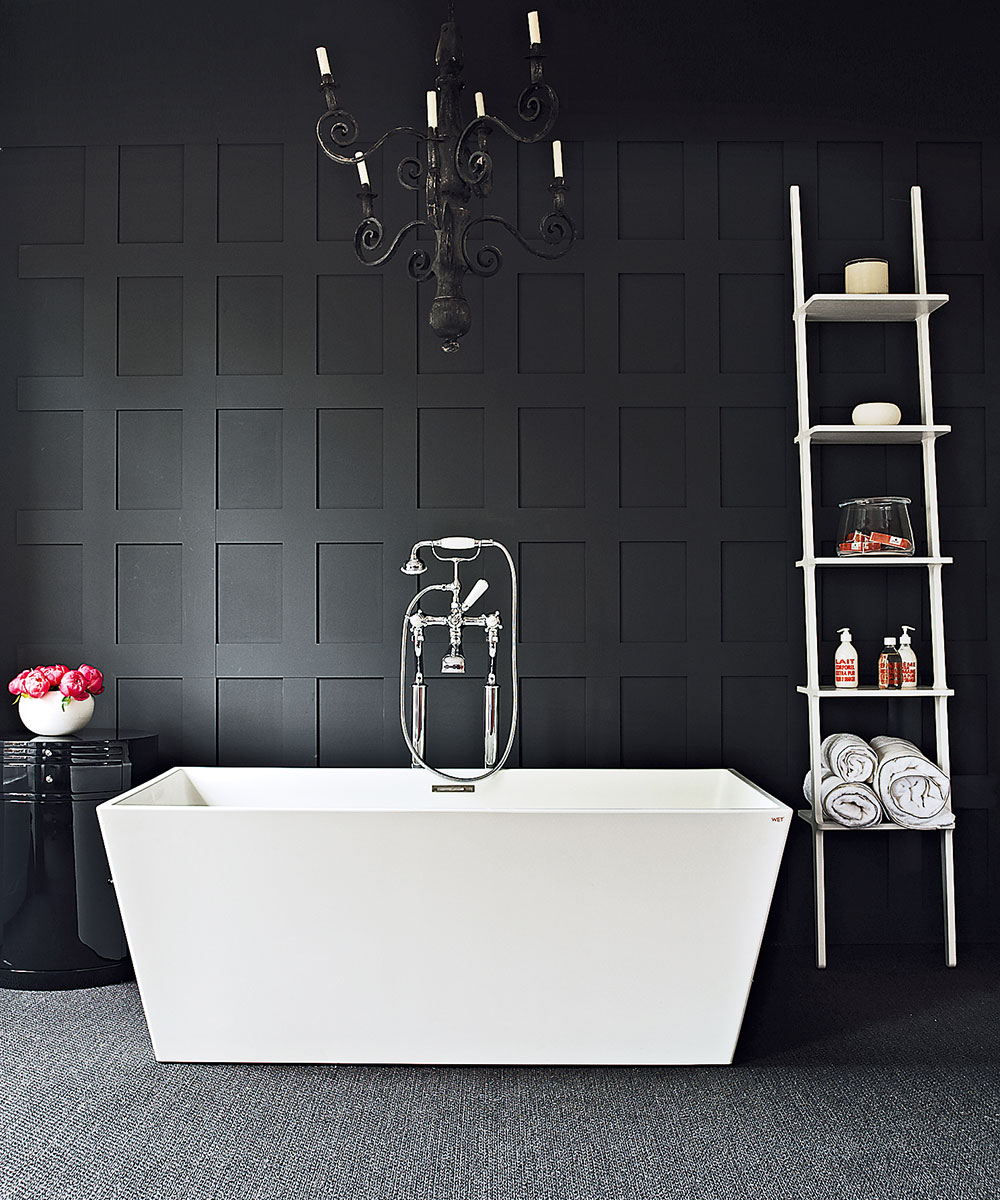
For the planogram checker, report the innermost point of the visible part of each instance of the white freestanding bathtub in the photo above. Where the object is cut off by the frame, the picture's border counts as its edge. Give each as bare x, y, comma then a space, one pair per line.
545, 916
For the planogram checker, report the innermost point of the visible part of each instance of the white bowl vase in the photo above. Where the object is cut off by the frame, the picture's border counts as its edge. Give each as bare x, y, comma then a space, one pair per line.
47, 715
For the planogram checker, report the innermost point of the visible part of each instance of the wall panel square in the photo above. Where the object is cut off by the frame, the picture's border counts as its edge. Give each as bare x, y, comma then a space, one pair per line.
755, 728
46, 206
958, 342
550, 324
551, 457
338, 209
652, 455
50, 466
651, 323
966, 586
753, 315
349, 457
250, 316
654, 721
43, 612
534, 177
156, 705
961, 458
552, 722
849, 197
349, 324
347, 572
251, 193
351, 720
249, 469
651, 190
47, 333
149, 594
150, 458
450, 458
752, 194
950, 175
151, 194
755, 448
248, 592
653, 591
970, 725
151, 326
249, 722
552, 592
755, 591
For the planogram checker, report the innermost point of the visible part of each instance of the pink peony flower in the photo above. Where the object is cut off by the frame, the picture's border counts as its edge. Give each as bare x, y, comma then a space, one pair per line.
93, 679
15, 687
35, 684
53, 674
73, 685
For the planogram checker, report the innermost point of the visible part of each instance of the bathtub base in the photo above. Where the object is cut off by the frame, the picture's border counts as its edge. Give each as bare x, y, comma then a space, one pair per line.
411, 936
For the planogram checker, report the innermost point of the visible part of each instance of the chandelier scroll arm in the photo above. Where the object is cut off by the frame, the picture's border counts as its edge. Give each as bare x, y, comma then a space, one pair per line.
337, 129
368, 238
557, 230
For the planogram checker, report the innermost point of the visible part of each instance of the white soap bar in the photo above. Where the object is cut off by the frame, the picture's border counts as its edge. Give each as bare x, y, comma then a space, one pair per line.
876, 412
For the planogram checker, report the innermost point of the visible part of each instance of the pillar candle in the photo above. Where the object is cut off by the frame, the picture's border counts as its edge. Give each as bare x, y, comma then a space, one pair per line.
480, 105
324, 62
362, 169
557, 163
534, 31
432, 110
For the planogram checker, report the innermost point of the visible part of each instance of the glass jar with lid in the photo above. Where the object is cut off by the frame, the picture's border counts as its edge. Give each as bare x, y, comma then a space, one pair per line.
875, 525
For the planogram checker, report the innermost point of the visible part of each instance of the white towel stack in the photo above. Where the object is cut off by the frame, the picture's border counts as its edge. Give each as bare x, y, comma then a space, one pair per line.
862, 785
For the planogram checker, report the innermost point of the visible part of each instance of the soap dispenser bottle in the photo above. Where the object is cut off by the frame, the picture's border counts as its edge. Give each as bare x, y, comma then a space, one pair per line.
845, 662
890, 665
908, 657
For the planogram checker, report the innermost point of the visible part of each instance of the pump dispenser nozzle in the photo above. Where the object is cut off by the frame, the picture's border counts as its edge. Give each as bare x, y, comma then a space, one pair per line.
904, 637
845, 634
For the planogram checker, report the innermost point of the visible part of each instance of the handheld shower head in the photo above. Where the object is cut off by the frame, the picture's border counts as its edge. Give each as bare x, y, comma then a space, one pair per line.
415, 565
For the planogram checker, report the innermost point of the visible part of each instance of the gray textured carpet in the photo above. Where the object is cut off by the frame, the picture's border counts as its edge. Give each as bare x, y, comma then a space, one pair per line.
875, 1078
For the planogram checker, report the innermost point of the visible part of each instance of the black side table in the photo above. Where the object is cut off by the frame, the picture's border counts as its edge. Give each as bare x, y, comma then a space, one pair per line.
59, 920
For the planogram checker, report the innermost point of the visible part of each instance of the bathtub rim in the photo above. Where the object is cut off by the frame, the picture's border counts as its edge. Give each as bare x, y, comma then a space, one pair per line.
450, 801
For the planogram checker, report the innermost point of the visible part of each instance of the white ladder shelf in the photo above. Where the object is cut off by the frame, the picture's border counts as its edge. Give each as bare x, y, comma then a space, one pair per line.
911, 307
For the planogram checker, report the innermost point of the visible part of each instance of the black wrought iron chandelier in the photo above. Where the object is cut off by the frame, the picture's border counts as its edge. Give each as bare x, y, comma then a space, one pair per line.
458, 169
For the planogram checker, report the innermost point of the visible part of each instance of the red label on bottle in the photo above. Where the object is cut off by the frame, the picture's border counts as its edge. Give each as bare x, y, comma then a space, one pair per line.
909, 672
889, 673
845, 670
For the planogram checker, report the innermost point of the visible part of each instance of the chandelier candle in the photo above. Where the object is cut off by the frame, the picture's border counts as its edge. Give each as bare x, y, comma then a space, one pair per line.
457, 170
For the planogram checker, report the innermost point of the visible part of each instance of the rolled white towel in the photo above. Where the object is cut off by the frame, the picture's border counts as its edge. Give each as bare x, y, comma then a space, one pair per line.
849, 756
914, 790
852, 804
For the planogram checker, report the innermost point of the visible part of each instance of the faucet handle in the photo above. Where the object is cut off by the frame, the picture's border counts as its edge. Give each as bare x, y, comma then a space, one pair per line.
475, 592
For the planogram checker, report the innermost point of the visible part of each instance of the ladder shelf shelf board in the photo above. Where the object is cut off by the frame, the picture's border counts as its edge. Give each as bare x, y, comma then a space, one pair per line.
829, 692
809, 817
835, 306
875, 560
871, 435
915, 307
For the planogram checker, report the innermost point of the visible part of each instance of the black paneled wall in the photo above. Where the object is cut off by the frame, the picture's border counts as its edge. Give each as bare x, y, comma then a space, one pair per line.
223, 434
